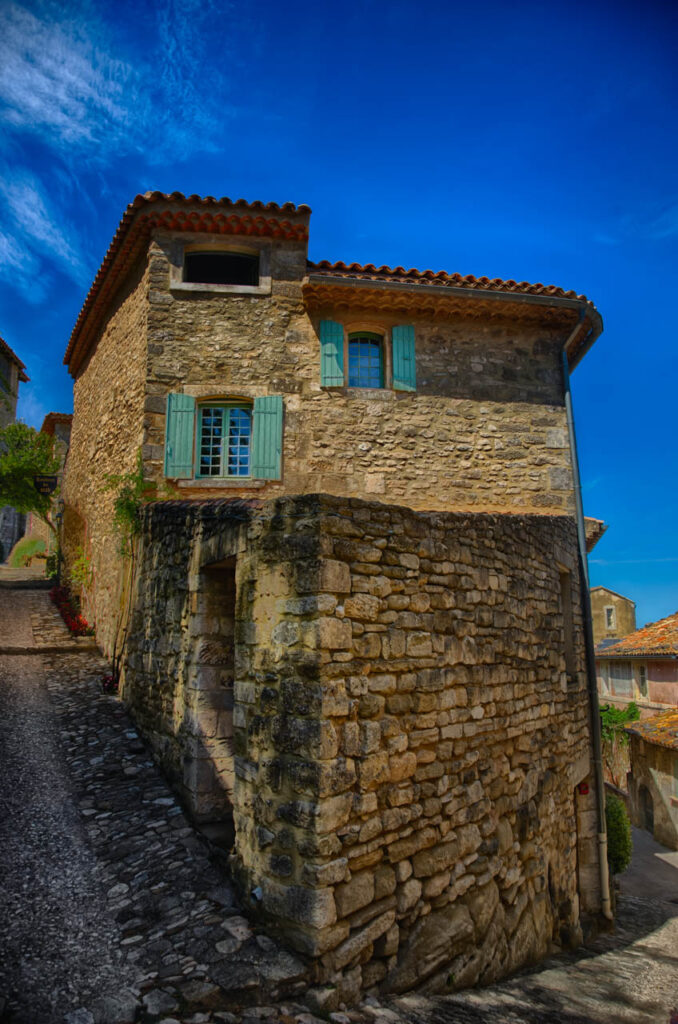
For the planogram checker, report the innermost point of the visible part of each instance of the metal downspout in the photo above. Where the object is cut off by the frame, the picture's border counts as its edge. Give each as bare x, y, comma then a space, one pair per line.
606, 905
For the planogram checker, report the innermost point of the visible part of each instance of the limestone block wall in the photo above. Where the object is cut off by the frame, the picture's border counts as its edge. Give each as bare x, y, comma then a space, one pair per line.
485, 429
410, 727
107, 432
653, 790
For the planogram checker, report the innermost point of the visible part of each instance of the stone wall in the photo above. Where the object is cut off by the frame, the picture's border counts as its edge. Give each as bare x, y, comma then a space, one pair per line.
107, 433
653, 790
485, 429
409, 728
624, 613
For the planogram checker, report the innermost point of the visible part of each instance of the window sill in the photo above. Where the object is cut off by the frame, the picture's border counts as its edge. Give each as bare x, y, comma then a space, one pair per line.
191, 288
222, 483
378, 394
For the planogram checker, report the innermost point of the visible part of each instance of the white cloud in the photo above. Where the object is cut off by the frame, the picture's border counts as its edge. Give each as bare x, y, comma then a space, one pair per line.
53, 82
29, 408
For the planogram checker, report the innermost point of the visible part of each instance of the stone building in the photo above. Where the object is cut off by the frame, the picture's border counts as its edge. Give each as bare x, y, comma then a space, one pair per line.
357, 618
613, 615
642, 666
12, 373
58, 426
653, 778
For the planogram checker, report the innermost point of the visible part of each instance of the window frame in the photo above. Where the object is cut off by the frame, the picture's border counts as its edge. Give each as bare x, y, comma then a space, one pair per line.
225, 406
253, 258
368, 336
613, 617
180, 246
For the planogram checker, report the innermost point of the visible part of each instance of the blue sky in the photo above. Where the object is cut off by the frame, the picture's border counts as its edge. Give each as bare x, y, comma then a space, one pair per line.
533, 141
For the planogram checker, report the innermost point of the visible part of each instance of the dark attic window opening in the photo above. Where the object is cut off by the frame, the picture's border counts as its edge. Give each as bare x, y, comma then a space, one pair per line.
221, 268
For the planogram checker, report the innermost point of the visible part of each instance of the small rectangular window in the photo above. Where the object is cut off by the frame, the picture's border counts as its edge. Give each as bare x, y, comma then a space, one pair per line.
365, 361
610, 617
221, 268
621, 678
642, 680
224, 441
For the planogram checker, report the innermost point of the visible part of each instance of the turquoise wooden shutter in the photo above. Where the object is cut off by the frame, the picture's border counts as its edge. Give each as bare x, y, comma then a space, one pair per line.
179, 428
404, 369
267, 437
331, 354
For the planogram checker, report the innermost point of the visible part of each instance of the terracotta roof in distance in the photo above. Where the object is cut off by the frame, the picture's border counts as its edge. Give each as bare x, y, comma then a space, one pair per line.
10, 354
51, 420
661, 729
657, 639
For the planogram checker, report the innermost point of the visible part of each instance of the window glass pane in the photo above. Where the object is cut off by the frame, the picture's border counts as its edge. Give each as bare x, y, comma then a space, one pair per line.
365, 362
224, 441
621, 677
239, 431
221, 268
211, 430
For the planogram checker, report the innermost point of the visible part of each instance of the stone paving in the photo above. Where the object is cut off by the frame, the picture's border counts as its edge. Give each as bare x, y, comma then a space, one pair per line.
117, 910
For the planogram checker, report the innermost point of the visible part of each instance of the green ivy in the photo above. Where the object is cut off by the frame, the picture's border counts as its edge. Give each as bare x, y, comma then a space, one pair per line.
613, 722
133, 491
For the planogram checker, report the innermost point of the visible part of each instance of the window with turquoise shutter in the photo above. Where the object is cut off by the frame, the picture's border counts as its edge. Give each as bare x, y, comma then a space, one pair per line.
331, 354
179, 434
404, 365
223, 440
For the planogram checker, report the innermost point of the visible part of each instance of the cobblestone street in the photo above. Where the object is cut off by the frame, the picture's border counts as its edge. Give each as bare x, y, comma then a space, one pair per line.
115, 909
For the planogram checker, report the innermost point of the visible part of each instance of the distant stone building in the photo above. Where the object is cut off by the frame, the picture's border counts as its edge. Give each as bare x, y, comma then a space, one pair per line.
653, 779
613, 615
12, 373
357, 626
58, 426
642, 666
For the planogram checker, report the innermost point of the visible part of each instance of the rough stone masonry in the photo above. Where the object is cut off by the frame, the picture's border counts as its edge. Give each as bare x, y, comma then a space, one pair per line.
392, 705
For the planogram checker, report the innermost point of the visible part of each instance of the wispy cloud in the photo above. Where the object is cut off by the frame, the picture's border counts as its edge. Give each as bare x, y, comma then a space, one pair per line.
75, 94
53, 80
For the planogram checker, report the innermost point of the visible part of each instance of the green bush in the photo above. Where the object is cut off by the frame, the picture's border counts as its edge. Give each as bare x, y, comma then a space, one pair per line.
52, 566
618, 834
24, 550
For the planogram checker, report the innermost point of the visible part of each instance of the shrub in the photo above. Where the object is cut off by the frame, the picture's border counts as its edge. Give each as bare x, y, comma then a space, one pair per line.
618, 834
52, 566
24, 550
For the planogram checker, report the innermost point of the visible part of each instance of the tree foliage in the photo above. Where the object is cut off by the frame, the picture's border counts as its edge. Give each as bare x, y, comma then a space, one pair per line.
132, 493
619, 844
24, 454
613, 722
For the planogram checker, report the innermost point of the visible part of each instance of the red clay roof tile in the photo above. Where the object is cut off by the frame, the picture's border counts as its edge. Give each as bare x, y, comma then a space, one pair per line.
440, 277
656, 639
661, 729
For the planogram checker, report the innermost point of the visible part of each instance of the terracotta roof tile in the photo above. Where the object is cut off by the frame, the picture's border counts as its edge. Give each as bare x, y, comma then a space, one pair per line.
52, 418
10, 354
656, 639
441, 277
174, 211
661, 729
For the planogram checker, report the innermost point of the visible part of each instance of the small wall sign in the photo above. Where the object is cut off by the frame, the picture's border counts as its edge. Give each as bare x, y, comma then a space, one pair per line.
45, 484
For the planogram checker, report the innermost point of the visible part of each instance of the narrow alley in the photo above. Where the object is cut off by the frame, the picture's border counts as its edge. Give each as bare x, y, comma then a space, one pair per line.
116, 910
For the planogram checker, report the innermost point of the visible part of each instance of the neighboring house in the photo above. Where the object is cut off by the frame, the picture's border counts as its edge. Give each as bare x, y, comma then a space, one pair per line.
58, 426
357, 627
613, 615
642, 667
653, 779
12, 373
